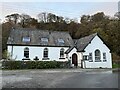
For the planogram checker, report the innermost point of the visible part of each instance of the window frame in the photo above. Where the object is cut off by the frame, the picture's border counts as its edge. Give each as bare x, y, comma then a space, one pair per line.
90, 56
60, 41
85, 57
45, 53
62, 52
26, 52
26, 39
97, 55
104, 57
44, 40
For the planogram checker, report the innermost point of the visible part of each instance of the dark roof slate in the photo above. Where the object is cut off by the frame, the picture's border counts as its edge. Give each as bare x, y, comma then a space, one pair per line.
83, 42
35, 35
69, 50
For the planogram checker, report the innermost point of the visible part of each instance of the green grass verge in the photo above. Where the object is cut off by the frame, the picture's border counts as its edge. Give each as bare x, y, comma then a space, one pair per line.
116, 65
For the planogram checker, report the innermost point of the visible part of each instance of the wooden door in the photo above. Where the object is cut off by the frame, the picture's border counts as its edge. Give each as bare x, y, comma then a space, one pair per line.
74, 59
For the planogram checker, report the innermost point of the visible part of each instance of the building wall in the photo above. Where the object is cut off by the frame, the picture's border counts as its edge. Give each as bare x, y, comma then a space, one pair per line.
97, 43
119, 6
71, 53
53, 52
0, 41
79, 56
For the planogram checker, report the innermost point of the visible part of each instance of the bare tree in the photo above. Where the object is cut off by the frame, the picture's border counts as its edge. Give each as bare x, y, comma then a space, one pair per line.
117, 15
13, 17
43, 17
25, 19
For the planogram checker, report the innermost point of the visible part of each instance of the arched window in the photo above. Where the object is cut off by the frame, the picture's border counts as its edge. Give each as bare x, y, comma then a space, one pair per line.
45, 54
62, 53
26, 52
97, 55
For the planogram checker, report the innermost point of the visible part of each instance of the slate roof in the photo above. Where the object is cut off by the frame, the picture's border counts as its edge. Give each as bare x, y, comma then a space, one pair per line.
80, 44
69, 49
35, 35
83, 42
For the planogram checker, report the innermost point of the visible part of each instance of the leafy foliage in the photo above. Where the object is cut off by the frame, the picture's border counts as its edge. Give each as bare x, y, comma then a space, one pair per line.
108, 28
6, 55
34, 64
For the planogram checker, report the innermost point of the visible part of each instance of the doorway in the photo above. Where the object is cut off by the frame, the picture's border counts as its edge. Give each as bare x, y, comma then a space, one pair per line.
74, 59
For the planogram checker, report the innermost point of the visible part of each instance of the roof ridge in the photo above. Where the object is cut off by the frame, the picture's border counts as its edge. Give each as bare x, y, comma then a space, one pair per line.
33, 29
84, 41
89, 35
35, 34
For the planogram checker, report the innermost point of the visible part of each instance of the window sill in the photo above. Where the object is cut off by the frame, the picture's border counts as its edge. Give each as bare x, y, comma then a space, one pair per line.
97, 60
25, 59
91, 61
61, 58
45, 58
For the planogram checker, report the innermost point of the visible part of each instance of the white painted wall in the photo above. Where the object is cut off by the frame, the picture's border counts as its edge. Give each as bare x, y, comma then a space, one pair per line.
79, 56
74, 50
71, 53
97, 43
53, 53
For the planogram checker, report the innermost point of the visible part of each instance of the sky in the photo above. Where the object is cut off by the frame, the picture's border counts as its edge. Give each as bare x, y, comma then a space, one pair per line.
71, 9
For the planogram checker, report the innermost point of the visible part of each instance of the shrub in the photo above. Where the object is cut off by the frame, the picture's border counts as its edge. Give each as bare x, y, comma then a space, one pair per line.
11, 64
5, 55
34, 64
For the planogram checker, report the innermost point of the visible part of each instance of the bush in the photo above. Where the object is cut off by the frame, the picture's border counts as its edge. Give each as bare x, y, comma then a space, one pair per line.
11, 64
5, 55
34, 64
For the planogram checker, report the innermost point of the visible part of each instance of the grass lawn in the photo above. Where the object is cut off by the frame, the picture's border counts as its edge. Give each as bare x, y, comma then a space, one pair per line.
116, 65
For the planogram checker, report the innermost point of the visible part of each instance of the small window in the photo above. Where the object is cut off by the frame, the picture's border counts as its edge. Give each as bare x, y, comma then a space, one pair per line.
26, 39
90, 57
62, 53
44, 41
104, 57
61, 42
97, 56
26, 52
45, 53
85, 57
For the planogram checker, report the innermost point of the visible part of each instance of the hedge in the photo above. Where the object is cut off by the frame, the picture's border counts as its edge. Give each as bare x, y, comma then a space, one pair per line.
34, 64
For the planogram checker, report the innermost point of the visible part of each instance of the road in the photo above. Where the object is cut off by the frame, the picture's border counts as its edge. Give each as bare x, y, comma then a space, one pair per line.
91, 80
60, 79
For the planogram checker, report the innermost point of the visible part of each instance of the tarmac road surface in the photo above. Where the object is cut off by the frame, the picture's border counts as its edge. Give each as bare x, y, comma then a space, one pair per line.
61, 78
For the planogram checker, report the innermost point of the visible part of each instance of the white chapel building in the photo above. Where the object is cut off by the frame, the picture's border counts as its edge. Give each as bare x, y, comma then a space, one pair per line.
87, 52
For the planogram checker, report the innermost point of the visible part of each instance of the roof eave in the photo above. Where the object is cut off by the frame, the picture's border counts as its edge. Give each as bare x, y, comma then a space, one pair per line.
35, 45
